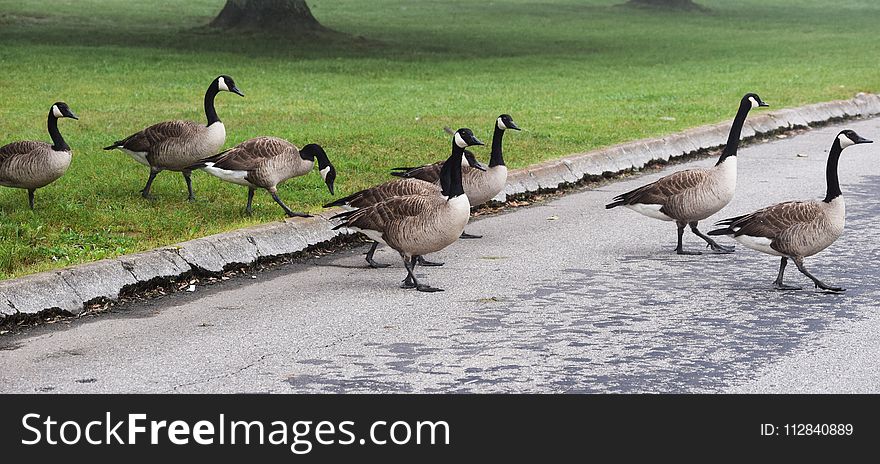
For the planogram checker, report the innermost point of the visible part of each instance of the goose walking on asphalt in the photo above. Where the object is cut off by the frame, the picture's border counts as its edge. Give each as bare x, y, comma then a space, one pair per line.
421, 223
265, 162
480, 184
690, 196
177, 145
31, 165
396, 188
797, 229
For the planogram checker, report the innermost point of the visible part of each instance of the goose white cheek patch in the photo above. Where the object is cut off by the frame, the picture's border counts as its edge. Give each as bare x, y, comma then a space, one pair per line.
324, 172
501, 124
754, 102
844, 141
459, 141
221, 84
56, 111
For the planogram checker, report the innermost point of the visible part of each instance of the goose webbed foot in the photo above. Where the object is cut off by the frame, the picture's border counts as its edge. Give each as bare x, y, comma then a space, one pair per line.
147, 195
288, 211
466, 235
799, 262
145, 192
710, 243
722, 249
421, 261
684, 252
408, 283
373, 264
427, 288
829, 288
782, 287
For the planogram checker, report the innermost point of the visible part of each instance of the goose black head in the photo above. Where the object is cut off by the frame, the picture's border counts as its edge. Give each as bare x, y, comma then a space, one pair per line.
61, 110
847, 137
505, 122
465, 137
753, 100
470, 160
225, 83
313, 151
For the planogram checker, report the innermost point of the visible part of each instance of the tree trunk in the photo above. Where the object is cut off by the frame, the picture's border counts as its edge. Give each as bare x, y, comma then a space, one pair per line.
670, 4
282, 16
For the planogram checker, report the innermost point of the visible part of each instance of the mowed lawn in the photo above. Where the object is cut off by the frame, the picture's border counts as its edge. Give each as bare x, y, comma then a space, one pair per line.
575, 74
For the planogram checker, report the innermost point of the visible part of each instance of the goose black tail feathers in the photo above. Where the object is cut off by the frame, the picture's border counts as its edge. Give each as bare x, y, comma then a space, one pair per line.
727, 223
116, 144
619, 200
204, 162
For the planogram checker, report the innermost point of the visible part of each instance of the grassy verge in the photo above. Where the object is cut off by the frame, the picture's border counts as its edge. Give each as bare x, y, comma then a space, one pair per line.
575, 74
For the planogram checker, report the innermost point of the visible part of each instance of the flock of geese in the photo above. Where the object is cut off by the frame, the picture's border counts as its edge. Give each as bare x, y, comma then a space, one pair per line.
428, 207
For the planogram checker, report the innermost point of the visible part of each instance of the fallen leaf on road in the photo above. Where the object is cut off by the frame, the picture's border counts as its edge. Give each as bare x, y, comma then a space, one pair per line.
553, 218
802, 155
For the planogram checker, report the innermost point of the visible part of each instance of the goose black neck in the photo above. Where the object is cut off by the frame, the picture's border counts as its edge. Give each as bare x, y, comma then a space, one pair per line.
450, 174
210, 112
833, 184
497, 158
58, 143
735, 133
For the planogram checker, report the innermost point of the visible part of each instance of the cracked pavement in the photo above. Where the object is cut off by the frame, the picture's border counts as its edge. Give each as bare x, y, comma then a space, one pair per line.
562, 296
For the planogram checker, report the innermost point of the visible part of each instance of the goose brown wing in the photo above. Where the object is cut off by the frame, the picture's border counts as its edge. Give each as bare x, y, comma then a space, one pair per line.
144, 140
658, 192
20, 148
774, 220
380, 215
382, 192
249, 154
427, 173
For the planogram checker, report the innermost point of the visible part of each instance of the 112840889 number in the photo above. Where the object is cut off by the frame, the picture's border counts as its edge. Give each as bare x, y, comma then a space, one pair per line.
817, 429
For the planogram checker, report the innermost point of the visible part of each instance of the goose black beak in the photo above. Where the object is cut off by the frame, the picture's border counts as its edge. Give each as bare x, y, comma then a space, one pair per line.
236, 91
763, 104
72, 116
863, 140
330, 187
480, 166
476, 141
513, 126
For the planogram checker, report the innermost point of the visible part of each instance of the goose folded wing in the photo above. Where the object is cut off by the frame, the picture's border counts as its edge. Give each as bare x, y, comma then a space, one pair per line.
19, 148
775, 220
157, 133
249, 154
658, 192
427, 173
388, 190
380, 215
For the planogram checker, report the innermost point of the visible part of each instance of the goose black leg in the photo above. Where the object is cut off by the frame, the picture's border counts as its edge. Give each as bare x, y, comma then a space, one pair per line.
31, 197
799, 262
709, 242
249, 209
411, 281
146, 190
679, 249
424, 262
287, 210
778, 282
467, 235
373, 264
189, 185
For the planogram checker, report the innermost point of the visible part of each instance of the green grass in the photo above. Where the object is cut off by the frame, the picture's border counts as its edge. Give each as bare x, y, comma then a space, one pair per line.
575, 74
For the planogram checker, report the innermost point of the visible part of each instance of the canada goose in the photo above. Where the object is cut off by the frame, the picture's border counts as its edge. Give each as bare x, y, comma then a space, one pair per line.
396, 188
797, 229
31, 165
265, 162
690, 196
421, 223
177, 145
480, 185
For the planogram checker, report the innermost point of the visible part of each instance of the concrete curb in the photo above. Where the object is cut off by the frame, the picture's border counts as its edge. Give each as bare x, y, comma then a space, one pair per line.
70, 289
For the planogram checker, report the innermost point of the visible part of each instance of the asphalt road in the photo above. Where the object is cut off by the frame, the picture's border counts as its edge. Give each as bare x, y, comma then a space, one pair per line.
559, 297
